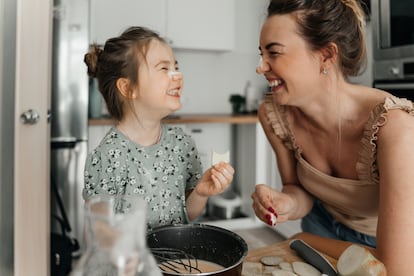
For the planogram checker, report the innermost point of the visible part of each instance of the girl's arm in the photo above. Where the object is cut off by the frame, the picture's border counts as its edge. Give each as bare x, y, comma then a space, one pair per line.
214, 181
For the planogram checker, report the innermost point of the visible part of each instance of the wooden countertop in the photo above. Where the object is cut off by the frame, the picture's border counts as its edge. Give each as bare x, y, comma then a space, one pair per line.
281, 249
192, 119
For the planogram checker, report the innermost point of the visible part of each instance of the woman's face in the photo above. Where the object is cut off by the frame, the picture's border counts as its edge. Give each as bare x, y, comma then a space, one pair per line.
290, 67
160, 83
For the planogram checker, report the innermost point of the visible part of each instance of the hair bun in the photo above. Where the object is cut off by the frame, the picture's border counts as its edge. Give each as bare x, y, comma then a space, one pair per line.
91, 60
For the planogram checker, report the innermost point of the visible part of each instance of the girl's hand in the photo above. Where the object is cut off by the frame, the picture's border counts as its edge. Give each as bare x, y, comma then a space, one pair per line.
270, 205
215, 180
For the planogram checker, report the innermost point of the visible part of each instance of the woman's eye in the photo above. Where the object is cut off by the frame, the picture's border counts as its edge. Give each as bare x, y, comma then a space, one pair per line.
274, 53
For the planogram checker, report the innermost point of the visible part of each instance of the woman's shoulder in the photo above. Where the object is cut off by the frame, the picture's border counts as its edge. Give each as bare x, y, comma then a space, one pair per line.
392, 102
391, 115
391, 108
399, 114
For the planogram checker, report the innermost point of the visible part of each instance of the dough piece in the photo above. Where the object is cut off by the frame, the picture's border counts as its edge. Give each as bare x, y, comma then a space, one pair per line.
273, 219
267, 270
280, 272
302, 268
217, 157
271, 260
251, 268
286, 266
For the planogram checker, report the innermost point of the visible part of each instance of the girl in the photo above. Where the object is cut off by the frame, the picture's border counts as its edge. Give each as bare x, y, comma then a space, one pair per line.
139, 80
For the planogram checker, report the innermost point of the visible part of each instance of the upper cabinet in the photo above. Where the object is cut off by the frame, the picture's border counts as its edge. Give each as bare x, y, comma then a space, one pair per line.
201, 24
109, 18
186, 24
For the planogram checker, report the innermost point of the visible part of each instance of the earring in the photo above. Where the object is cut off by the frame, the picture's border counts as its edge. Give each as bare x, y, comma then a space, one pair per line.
324, 71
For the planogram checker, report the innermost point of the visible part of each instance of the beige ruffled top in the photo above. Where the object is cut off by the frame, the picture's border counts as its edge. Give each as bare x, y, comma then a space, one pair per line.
351, 202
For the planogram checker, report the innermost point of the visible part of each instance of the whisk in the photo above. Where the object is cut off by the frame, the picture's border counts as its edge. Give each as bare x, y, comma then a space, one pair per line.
175, 260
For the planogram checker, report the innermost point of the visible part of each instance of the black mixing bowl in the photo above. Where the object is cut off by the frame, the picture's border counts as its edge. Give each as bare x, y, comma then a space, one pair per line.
204, 242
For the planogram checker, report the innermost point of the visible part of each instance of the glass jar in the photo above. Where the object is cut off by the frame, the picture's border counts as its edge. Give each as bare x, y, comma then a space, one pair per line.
115, 232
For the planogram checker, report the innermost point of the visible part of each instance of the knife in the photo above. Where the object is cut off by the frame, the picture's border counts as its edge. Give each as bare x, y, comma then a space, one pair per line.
313, 257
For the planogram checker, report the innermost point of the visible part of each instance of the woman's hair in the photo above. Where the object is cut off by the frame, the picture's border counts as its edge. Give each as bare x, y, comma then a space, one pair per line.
120, 58
323, 21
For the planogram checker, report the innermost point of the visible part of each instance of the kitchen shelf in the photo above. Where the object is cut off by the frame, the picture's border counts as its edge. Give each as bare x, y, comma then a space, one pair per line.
250, 118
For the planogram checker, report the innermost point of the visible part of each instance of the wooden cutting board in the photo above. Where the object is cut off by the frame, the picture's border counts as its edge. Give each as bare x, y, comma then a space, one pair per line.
281, 249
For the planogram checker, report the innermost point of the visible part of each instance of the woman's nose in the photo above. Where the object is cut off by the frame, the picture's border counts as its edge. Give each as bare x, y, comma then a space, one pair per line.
262, 67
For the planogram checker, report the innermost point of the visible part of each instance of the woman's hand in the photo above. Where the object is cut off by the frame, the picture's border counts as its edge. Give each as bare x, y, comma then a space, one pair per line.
215, 180
272, 206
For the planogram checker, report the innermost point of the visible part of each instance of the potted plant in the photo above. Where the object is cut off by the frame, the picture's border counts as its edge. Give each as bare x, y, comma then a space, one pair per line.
237, 102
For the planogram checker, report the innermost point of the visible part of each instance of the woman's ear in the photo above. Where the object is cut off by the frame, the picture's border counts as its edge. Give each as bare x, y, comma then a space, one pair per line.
124, 88
329, 54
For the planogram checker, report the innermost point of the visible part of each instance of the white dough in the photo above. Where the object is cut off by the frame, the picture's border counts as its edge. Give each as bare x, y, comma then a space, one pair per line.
217, 157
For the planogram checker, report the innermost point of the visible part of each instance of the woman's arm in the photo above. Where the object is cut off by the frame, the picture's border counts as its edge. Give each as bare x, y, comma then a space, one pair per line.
292, 202
395, 155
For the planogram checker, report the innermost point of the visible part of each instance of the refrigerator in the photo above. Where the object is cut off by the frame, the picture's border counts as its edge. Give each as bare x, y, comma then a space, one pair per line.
7, 102
69, 110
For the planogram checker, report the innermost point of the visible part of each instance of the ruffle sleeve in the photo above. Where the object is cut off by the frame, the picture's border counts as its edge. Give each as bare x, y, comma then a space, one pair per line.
367, 167
276, 116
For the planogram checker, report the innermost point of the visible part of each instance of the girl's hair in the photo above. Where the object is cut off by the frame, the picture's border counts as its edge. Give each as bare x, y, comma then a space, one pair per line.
120, 58
323, 21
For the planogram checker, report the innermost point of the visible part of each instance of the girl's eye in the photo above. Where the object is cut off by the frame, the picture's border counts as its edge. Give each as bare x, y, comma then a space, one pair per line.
164, 68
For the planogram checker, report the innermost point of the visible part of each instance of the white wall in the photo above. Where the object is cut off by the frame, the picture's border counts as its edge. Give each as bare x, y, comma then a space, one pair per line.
210, 77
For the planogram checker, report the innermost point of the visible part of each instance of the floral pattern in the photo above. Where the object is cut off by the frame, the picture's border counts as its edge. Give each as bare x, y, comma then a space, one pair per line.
161, 173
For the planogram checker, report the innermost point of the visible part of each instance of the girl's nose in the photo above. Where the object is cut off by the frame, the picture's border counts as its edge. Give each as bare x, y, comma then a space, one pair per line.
175, 75
262, 67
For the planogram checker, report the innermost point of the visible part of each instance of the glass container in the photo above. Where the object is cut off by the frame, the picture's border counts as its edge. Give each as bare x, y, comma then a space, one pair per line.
115, 232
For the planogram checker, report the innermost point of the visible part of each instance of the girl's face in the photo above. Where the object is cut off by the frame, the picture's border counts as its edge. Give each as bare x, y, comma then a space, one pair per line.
160, 83
290, 67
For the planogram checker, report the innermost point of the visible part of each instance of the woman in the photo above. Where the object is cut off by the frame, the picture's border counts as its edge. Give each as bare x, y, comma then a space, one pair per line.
344, 151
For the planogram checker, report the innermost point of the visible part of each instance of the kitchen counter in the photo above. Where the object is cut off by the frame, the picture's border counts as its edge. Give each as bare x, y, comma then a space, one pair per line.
250, 118
281, 249
262, 240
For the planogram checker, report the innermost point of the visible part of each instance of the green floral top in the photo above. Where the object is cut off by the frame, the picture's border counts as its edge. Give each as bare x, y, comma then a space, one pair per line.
160, 173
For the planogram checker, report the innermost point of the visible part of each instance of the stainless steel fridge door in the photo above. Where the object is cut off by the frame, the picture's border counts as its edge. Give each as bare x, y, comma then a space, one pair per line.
67, 165
69, 114
7, 102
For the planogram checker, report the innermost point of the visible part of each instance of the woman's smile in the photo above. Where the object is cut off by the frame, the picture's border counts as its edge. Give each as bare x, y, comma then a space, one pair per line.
275, 84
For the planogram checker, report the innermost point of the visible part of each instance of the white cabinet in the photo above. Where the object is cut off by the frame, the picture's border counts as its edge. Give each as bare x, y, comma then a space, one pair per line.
209, 138
186, 24
109, 18
201, 24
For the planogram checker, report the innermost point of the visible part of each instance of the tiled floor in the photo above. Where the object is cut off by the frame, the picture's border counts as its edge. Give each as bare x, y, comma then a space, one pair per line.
259, 236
